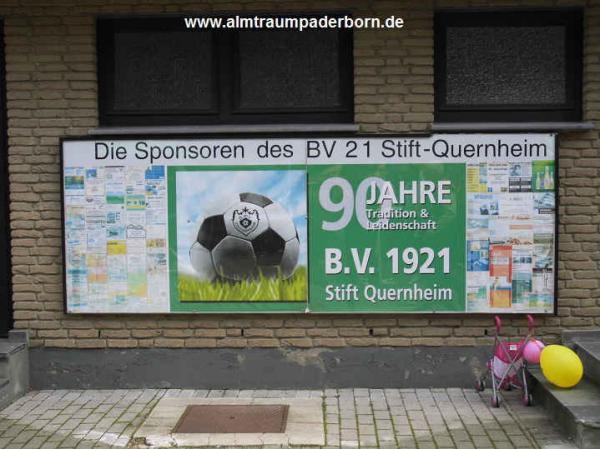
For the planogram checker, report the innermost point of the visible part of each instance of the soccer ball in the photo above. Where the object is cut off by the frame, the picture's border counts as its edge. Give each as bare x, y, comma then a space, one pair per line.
252, 237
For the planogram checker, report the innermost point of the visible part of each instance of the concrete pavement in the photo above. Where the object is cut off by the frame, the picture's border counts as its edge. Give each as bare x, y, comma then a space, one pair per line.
353, 418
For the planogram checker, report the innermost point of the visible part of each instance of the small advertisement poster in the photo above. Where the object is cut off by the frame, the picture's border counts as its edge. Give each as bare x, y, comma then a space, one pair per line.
461, 223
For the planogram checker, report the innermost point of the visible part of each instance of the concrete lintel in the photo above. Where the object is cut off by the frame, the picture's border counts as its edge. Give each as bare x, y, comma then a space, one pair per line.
227, 129
514, 126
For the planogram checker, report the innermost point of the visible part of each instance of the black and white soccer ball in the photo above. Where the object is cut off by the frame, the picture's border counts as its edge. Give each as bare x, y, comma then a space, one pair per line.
254, 236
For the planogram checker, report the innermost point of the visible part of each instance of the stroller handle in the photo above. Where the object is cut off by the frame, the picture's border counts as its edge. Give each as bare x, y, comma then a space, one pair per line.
498, 324
530, 324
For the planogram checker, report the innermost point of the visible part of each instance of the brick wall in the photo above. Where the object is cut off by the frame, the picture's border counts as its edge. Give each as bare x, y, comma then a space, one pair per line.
51, 90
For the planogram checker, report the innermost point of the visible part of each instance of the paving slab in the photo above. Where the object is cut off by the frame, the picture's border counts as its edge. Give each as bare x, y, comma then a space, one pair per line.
305, 423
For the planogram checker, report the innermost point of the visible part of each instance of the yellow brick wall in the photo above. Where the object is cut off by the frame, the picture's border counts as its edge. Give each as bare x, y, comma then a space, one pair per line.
51, 91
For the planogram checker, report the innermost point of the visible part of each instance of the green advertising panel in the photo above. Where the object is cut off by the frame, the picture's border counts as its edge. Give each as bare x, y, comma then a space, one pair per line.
387, 243
461, 223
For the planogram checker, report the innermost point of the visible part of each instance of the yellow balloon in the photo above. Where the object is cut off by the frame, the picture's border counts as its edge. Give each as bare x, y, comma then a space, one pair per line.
561, 366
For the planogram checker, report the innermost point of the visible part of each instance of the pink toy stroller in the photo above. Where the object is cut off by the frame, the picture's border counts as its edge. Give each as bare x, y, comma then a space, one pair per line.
506, 368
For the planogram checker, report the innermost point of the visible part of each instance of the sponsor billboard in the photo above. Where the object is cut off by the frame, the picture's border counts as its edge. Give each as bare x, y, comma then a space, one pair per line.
462, 223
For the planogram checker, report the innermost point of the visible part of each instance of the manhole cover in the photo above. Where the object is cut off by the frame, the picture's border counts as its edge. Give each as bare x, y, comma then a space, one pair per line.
233, 419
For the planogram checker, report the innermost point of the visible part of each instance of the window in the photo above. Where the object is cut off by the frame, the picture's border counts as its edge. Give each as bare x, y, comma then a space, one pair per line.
153, 71
508, 66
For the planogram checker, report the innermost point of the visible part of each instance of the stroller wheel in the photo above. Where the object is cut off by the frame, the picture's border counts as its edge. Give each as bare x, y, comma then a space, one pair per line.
495, 401
479, 385
527, 400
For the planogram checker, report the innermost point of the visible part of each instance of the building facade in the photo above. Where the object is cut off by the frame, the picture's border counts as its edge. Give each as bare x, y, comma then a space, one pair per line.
52, 90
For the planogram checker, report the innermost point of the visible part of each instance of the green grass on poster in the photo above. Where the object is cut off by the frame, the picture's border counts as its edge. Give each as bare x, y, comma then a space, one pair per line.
191, 289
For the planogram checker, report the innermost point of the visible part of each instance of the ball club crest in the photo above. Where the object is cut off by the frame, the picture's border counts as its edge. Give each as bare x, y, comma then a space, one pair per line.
245, 220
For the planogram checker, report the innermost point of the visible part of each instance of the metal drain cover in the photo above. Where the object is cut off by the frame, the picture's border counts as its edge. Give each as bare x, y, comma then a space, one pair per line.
233, 419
